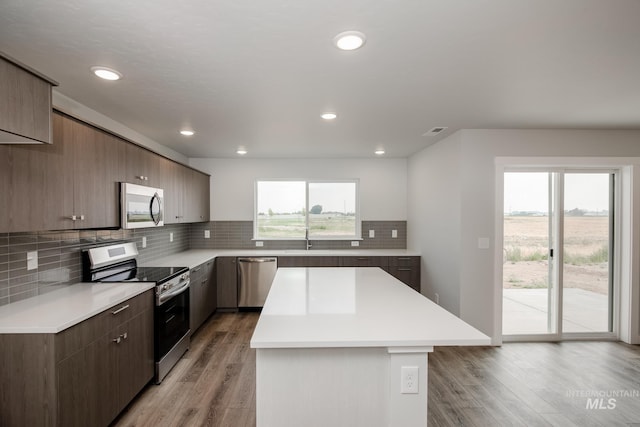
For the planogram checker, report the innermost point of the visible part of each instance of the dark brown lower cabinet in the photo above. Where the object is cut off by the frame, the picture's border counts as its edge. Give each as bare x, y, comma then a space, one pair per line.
308, 261
406, 269
202, 294
82, 376
227, 282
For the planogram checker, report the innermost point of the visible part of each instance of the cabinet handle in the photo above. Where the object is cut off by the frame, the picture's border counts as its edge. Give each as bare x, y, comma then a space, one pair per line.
362, 259
204, 281
196, 269
405, 258
120, 309
120, 338
404, 269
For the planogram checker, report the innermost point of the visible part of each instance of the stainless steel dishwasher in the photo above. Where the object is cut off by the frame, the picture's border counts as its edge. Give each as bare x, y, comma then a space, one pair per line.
255, 276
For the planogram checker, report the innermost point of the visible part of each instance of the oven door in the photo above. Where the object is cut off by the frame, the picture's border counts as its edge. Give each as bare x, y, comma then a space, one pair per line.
171, 322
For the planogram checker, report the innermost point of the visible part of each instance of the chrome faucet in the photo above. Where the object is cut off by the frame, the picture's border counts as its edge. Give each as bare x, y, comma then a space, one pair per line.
306, 237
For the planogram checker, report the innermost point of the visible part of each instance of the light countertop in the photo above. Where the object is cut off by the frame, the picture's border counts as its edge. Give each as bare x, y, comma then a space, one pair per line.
194, 257
354, 307
58, 310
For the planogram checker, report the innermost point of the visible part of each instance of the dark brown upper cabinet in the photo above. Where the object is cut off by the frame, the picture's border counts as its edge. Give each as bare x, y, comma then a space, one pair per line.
25, 104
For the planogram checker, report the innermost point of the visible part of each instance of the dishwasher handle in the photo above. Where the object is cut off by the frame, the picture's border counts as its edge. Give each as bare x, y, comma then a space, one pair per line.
257, 259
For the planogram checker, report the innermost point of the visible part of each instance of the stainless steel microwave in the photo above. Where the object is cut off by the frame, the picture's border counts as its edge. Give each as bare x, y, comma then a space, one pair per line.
141, 206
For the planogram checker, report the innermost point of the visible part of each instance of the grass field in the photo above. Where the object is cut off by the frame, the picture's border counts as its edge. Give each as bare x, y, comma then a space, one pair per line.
292, 226
586, 253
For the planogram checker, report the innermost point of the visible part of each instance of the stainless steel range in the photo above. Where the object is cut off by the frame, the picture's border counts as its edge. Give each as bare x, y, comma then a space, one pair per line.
118, 263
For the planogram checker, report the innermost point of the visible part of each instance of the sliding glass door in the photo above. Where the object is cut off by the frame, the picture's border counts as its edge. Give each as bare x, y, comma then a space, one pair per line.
558, 257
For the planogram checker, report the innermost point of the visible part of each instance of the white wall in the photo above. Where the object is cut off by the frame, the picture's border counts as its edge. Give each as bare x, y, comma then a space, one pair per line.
433, 226
383, 183
476, 166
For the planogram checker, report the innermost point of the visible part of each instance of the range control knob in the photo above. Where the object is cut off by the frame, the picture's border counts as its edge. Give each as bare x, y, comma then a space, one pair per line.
165, 287
184, 276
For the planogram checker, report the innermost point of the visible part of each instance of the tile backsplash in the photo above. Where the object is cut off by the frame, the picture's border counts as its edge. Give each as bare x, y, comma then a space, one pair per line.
59, 259
239, 235
59, 252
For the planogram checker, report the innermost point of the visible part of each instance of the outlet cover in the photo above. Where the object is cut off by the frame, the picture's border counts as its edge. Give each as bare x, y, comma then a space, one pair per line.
355, 243
394, 234
171, 237
410, 380
207, 234
32, 260
259, 244
372, 234
144, 242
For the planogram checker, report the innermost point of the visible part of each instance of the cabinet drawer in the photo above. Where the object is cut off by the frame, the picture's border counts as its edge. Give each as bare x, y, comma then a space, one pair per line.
404, 261
364, 261
76, 337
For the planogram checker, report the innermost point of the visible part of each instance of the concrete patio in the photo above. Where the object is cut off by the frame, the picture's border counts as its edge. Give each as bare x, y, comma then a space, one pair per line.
525, 311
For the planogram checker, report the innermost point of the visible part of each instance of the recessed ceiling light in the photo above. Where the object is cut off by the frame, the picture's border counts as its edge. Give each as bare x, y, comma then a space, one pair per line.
106, 73
328, 116
349, 40
379, 152
242, 151
187, 132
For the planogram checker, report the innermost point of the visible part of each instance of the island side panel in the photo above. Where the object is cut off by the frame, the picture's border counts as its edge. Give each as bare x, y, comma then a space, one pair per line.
322, 387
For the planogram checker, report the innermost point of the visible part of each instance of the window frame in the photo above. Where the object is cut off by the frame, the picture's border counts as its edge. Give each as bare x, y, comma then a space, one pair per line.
358, 222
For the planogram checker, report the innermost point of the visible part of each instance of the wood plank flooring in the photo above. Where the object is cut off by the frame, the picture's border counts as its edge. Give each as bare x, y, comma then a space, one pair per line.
518, 384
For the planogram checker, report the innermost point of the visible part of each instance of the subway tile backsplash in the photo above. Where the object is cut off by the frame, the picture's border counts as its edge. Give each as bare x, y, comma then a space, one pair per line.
59, 259
239, 235
60, 263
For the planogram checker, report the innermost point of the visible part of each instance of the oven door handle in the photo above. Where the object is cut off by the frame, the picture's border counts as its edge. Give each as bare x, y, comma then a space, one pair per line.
166, 297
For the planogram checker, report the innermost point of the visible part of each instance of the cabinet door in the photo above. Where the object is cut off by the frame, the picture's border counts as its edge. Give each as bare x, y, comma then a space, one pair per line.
40, 185
142, 166
87, 386
25, 103
96, 162
197, 196
174, 191
196, 298
227, 282
135, 364
210, 293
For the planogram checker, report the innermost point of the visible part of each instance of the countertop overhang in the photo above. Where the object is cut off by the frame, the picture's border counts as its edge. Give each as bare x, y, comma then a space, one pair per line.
354, 307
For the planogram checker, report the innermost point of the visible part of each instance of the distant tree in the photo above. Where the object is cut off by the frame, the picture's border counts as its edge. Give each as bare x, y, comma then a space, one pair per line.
575, 212
316, 209
270, 212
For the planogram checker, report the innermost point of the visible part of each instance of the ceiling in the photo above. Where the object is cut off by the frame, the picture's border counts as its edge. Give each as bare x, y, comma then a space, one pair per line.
259, 73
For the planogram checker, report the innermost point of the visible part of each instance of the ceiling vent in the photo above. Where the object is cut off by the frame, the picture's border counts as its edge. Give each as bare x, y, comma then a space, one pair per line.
434, 131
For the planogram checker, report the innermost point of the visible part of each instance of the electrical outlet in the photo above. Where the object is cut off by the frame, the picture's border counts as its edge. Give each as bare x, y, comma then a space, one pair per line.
410, 380
355, 243
437, 299
144, 242
170, 237
372, 234
394, 234
259, 244
207, 234
32, 260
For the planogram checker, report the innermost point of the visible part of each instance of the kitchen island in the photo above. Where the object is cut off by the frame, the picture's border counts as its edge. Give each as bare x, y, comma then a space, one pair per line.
348, 347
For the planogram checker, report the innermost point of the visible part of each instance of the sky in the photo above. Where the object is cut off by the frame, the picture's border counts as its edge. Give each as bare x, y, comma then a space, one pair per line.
528, 191
289, 196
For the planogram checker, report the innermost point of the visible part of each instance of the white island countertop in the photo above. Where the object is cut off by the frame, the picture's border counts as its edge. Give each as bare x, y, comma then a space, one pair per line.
58, 310
354, 307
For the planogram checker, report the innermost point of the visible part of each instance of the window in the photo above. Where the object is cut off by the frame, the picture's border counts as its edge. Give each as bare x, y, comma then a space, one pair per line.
287, 209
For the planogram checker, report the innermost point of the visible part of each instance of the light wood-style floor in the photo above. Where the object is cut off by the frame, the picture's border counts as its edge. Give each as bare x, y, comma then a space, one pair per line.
518, 384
